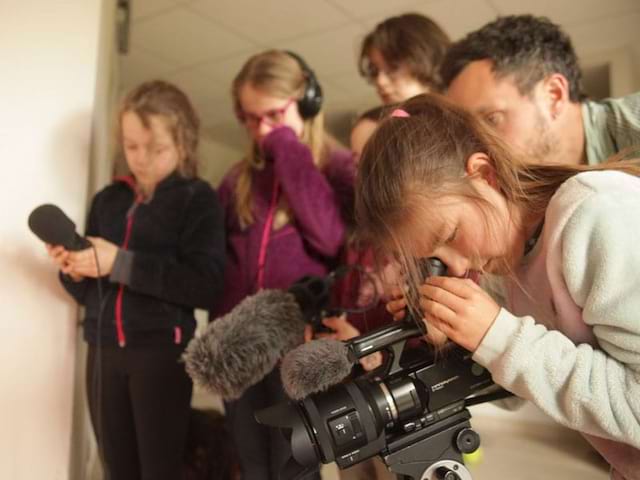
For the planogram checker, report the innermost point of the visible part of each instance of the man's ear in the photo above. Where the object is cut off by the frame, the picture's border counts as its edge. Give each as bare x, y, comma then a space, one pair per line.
479, 166
555, 91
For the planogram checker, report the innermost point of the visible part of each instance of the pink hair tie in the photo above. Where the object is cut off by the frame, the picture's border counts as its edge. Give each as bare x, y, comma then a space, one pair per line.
400, 113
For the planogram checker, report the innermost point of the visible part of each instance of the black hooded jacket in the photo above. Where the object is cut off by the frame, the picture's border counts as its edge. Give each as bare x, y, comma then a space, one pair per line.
171, 261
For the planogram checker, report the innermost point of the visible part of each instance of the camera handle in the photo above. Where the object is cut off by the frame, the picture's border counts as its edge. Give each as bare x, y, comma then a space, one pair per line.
392, 337
434, 452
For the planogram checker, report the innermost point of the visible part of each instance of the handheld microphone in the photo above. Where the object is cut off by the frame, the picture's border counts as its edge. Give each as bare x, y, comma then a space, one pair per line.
51, 225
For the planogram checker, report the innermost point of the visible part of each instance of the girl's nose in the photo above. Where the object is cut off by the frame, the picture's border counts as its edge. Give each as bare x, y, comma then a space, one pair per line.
457, 265
381, 80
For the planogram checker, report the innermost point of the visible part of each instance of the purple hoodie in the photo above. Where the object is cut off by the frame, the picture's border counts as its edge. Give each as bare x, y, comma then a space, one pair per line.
309, 242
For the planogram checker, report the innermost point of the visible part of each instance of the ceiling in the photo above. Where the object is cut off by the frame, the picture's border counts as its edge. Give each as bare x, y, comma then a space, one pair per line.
201, 44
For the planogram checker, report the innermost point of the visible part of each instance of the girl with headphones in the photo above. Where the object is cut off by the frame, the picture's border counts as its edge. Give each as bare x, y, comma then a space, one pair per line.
284, 217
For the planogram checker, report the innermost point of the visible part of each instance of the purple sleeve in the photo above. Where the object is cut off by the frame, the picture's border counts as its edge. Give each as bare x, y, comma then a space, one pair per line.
315, 205
341, 174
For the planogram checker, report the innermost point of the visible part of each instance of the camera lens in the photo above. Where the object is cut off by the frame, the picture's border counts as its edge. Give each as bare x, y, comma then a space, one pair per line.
291, 419
407, 400
348, 418
354, 415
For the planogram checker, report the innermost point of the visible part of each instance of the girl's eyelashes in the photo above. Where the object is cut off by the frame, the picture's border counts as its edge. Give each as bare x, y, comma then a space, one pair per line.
452, 237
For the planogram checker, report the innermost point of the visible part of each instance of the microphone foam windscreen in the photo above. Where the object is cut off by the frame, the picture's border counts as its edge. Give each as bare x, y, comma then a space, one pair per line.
51, 225
314, 367
239, 349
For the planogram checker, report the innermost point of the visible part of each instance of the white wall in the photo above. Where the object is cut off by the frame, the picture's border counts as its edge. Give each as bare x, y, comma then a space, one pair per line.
216, 159
623, 76
48, 60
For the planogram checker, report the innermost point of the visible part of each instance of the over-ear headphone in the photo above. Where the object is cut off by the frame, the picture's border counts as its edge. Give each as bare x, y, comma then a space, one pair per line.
311, 102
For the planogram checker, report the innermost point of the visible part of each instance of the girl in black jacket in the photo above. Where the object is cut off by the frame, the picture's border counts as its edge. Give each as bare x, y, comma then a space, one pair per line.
157, 253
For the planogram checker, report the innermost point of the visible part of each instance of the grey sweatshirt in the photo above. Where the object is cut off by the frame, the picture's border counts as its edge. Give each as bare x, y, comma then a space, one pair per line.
570, 339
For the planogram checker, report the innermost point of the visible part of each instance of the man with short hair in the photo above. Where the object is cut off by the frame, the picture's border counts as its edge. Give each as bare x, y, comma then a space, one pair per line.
520, 74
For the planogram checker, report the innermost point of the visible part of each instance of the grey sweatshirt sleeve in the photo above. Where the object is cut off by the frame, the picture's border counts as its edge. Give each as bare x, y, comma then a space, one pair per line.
122, 266
593, 390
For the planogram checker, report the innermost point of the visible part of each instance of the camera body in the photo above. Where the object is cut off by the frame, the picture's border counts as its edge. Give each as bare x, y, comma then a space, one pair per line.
412, 411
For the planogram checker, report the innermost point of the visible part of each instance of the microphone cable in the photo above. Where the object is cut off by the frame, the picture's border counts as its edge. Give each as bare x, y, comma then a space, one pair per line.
97, 380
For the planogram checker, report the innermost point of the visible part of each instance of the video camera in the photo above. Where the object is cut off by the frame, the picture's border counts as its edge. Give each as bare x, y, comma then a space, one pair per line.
411, 411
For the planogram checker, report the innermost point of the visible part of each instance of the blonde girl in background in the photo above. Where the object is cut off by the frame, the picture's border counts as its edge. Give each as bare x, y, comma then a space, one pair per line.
284, 205
157, 254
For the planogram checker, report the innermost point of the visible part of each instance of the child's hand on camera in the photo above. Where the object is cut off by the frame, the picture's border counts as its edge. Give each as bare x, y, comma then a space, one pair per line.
459, 308
398, 308
343, 330
398, 304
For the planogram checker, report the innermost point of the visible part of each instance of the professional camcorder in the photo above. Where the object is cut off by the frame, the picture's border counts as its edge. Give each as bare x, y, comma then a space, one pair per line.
411, 411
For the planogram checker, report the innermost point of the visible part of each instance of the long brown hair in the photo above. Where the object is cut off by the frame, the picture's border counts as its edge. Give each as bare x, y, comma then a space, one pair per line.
163, 99
423, 156
411, 40
278, 74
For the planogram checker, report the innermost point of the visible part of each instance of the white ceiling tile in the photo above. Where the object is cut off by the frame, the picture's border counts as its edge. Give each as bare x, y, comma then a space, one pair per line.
455, 17
567, 11
145, 8
268, 21
196, 84
367, 8
224, 71
139, 65
356, 105
337, 111
201, 44
612, 33
186, 38
215, 110
352, 83
333, 92
230, 134
359, 95
328, 52
459, 17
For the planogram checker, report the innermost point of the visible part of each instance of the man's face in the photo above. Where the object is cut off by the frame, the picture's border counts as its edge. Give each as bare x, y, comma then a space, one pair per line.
523, 121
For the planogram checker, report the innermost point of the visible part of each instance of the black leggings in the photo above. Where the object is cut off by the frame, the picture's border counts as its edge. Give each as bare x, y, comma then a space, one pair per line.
144, 395
262, 451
